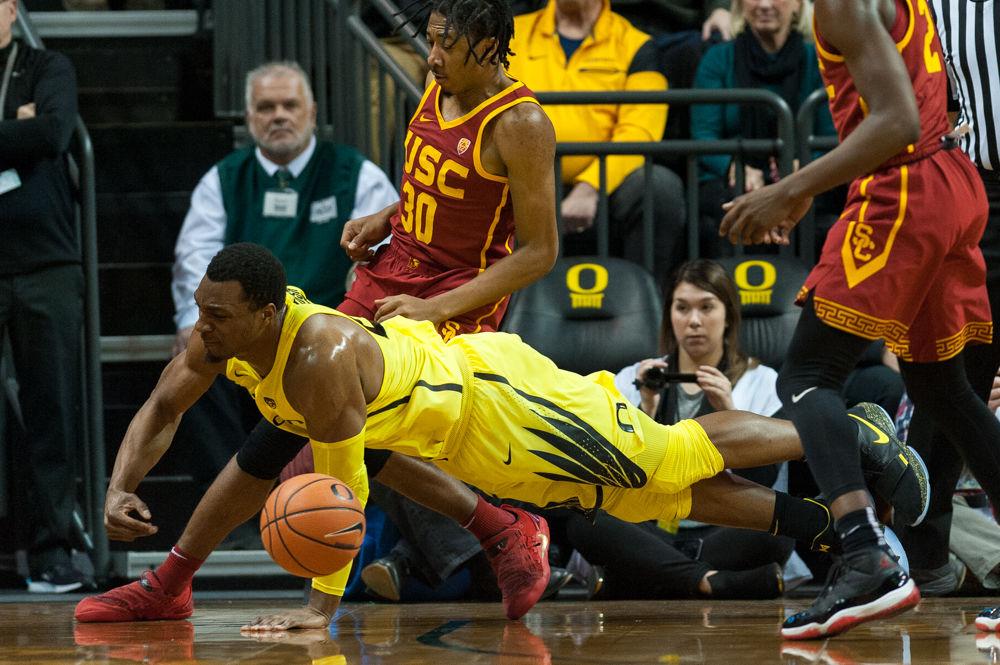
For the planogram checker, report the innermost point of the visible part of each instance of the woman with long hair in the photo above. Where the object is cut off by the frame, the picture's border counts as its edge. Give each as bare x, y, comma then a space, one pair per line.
702, 370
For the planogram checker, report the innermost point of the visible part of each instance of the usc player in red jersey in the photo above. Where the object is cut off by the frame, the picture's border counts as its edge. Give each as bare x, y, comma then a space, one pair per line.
901, 264
476, 217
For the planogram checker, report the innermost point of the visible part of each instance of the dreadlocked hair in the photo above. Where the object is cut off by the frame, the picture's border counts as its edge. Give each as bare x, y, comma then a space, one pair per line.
474, 19
257, 270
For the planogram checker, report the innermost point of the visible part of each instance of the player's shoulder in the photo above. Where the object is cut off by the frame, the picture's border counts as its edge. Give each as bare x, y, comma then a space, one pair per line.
525, 121
322, 330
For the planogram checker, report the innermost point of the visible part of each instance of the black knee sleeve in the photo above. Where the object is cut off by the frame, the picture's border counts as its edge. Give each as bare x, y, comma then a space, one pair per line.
267, 450
375, 459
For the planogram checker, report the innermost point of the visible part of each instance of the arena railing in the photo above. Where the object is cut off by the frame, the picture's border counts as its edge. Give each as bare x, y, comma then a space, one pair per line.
90, 526
807, 144
690, 149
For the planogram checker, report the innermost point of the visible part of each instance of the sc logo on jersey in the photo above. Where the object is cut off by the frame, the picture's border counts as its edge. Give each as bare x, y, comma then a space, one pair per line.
581, 296
755, 280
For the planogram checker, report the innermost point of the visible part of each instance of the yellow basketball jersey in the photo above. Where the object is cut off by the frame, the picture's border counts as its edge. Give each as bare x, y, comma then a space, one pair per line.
421, 394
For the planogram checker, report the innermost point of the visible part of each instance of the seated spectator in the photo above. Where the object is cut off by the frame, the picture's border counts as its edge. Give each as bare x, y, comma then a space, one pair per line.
771, 50
581, 45
700, 335
706, 18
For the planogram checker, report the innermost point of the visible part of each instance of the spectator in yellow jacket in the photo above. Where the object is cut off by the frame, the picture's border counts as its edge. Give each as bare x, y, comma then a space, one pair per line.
581, 45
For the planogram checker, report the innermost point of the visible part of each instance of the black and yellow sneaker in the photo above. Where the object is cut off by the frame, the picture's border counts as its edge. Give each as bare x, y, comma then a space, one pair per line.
892, 469
864, 585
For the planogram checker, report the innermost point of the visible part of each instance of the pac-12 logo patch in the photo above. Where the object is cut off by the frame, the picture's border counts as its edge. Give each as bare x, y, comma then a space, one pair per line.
463, 145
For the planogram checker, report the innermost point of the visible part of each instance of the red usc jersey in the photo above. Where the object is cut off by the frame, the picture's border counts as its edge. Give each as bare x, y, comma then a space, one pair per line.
452, 212
917, 42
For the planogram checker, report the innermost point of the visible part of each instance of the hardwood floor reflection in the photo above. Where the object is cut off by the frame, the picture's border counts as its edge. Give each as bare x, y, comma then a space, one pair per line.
940, 631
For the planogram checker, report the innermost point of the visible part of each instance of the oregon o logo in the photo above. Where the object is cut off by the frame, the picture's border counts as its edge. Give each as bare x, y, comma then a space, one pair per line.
592, 296
755, 294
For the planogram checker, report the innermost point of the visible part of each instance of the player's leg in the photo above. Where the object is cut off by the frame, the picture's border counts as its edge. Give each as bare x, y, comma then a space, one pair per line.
928, 543
237, 494
941, 391
516, 541
746, 440
870, 583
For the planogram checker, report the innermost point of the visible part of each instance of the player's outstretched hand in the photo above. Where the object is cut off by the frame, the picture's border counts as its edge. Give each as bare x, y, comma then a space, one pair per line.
765, 215
118, 521
363, 233
302, 617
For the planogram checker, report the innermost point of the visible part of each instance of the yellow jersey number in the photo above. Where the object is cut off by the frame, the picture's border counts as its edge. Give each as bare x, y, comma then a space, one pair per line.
932, 59
418, 213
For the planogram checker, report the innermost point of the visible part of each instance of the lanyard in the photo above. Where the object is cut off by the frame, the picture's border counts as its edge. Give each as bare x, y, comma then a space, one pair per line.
7, 72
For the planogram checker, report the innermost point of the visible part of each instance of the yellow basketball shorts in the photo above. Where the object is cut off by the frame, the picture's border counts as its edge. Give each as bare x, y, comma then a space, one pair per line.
533, 432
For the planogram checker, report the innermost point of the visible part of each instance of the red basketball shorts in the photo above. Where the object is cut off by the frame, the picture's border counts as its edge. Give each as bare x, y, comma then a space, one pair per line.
903, 262
393, 272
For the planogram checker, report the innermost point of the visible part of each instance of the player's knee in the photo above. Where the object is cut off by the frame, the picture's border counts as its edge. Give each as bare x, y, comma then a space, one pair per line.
375, 460
791, 381
267, 450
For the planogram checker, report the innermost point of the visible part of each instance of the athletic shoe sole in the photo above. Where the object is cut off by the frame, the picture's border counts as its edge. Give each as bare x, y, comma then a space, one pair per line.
987, 624
380, 581
896, 601
918, 459
49, 587
927, 503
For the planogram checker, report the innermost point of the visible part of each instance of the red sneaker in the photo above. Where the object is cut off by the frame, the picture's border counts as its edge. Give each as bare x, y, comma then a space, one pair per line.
143, 600
520, 558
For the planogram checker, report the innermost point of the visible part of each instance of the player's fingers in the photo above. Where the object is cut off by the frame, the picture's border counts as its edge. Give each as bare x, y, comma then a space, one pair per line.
727, 221
348, 235
139, 506
386, 312
124, 522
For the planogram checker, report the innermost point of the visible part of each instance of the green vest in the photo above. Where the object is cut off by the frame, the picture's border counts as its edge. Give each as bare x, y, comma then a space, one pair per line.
309, 244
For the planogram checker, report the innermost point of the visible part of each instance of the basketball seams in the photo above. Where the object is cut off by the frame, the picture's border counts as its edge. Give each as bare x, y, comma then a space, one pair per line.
291, 554
294, 545
311, 510
334, 545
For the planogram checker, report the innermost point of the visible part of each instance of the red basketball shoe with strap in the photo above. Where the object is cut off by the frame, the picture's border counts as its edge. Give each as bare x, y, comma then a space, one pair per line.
519, 555
142, 600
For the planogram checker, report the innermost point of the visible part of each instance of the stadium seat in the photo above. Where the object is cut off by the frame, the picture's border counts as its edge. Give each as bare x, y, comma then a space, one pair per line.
767, 286
590, 313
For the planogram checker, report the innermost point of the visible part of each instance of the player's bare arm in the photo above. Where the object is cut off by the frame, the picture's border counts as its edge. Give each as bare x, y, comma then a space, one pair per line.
149, 435
323, 382
856, 29
362, 234
518, 144
322, 379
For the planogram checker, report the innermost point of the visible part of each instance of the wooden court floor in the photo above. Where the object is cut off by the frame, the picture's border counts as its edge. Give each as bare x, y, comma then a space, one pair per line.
940, 631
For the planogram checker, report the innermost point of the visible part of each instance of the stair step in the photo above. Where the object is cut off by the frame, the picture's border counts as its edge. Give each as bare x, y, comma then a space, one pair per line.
139, 226
238, 563
157, 157
129, 106
135, 299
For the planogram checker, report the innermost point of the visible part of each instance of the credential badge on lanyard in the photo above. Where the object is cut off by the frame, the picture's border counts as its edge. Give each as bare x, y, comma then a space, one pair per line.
282, 202
9, 179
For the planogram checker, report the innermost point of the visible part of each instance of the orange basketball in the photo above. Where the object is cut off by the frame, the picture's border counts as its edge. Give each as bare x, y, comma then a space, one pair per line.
312, 525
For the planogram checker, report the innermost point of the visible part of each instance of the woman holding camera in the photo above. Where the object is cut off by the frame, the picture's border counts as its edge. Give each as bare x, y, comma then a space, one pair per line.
702, 370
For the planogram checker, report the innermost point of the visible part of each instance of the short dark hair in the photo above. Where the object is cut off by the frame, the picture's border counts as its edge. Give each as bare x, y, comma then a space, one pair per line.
258, 271
475, 19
